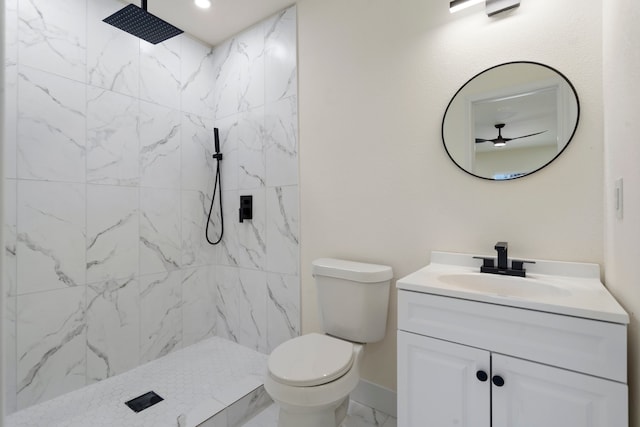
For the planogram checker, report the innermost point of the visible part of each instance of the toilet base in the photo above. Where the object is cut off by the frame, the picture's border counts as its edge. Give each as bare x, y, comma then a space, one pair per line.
328, 416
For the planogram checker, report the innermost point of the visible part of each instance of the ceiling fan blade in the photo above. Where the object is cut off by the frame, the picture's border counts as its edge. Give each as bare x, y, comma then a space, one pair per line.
524, 136
480, 140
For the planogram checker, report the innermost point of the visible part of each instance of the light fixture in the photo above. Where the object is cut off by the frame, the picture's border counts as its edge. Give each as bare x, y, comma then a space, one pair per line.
203, 4
458, 5
496, 6
492, 7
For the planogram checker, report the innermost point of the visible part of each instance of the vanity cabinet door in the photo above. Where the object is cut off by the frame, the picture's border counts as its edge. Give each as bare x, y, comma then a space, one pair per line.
442, 384
535, 395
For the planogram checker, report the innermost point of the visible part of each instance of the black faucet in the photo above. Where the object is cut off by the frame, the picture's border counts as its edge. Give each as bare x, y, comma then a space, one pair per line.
502, 247
516, 269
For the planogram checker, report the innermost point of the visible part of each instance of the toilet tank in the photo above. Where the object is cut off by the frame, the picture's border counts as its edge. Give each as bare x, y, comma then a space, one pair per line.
353, 298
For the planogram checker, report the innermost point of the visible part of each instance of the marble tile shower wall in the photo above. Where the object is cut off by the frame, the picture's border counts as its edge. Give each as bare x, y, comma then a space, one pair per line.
109, 176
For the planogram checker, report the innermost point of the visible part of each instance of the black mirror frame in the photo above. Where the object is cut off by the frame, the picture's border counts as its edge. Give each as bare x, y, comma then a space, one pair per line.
575, 93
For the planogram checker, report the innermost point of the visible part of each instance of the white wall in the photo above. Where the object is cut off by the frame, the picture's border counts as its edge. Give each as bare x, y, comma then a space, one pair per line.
622, 155
375, 77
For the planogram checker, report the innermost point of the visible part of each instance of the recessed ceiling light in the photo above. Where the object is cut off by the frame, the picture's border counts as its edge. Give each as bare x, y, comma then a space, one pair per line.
204, 4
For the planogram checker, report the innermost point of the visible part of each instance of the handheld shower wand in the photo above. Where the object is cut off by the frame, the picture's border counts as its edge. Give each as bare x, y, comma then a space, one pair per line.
216, 186
216, 143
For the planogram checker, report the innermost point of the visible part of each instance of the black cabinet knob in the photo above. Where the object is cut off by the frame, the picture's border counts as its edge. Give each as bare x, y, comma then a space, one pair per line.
482, 376
498, 381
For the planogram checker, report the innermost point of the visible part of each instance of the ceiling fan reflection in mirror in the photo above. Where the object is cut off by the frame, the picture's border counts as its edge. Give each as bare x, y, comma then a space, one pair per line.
501, 141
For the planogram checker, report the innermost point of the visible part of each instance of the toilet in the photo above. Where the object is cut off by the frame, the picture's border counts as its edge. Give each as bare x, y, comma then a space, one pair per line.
310, 377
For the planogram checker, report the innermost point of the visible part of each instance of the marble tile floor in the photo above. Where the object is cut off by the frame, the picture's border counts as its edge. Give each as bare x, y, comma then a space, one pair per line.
214, 383
358, 416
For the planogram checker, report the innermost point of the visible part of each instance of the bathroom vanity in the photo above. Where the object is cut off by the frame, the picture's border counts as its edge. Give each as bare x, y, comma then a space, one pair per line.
486, 350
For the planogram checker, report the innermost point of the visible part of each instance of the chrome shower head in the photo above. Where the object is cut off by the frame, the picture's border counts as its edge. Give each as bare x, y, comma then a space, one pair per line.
142, 24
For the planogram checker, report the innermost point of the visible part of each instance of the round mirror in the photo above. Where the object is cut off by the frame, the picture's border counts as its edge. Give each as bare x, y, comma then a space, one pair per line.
510, 120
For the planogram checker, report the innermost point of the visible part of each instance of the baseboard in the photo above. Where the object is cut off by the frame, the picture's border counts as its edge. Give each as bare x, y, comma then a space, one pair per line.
377, 397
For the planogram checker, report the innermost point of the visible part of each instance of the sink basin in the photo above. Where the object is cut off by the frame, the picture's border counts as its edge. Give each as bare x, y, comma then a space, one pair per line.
568, 288
504, 286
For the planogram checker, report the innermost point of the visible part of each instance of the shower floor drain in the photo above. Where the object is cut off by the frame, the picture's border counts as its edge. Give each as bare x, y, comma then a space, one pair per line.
143, 402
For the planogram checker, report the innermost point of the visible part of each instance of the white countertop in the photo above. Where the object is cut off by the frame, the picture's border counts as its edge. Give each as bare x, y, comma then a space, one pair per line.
580, 292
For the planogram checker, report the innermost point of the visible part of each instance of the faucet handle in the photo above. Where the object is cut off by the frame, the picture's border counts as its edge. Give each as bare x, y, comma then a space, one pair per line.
518, 264
486, 262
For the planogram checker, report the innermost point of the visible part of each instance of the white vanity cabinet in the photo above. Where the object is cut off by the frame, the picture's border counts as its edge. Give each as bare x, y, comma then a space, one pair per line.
464, 363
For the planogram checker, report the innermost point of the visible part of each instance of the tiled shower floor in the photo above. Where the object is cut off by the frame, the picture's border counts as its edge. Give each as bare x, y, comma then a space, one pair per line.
214, 377
215, 383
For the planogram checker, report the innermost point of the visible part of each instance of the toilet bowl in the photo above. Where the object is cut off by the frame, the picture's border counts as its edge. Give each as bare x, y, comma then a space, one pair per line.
310, 377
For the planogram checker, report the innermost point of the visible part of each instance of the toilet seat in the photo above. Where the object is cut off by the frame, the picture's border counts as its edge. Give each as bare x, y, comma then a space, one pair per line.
310, 360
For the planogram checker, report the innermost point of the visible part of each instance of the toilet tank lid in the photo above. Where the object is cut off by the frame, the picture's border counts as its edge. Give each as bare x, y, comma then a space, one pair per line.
351, 270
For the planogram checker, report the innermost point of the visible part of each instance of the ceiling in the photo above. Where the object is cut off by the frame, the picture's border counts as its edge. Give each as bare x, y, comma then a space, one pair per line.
223, 19
523, 114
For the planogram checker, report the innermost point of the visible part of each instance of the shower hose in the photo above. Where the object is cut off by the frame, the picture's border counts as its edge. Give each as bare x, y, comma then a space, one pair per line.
216, 186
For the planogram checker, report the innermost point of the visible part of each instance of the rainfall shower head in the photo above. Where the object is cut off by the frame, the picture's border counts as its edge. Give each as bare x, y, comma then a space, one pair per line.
142, 24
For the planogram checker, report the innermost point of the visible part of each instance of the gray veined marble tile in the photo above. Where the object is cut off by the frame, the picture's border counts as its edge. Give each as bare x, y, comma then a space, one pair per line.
244, 409
10, 129
52, 36
252, 306
267, 418
112, 232
160, 315
9, 323
199, 304
195, 250
281, 56
251, 234
282, 230
391, 422
229, 248
241, 306
113, 56
113, 328
51, 127
228, 321
197, 72
51, 344
159, 230
363, 416
9, 289
251, 150
10, 87
112, 138
160, 80
11, 32
10, 225
198, 165
198, 382
160, 138
230, 134
239, 65
51, 235
283, 309
281, 140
